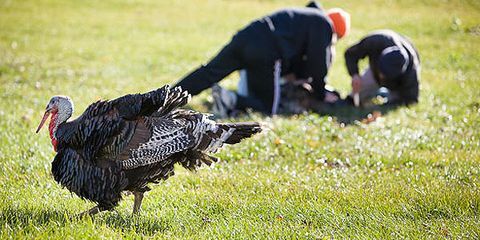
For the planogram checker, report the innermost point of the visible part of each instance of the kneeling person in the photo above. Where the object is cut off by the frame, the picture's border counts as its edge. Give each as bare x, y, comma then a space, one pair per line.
393, 63
270, 48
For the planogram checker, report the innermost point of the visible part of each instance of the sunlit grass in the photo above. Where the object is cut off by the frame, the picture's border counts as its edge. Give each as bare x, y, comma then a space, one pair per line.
414, 173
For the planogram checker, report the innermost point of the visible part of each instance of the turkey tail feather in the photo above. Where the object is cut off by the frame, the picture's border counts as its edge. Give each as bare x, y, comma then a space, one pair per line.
152, 100
240, 130
133, 105
176, 98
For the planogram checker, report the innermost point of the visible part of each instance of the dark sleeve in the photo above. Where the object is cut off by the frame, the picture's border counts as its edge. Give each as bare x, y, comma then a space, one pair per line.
220, 66
372, 45
318, 56
354, 54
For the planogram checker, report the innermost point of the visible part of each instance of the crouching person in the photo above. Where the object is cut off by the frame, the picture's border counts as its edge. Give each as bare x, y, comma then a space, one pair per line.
393, 64
266, 50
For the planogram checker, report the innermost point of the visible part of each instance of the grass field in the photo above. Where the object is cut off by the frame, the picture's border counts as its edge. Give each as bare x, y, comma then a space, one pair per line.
414, 173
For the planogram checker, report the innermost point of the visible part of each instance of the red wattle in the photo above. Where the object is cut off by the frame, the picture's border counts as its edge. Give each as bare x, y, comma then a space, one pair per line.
51, 129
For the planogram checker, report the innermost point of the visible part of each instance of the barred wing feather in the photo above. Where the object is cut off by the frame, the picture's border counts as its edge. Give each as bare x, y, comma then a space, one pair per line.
167, 138
170, 136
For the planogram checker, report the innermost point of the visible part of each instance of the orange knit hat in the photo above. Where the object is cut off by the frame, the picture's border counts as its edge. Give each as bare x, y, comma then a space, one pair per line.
340, 20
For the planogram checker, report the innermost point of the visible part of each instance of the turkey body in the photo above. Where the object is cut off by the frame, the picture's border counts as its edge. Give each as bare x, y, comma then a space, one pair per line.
127, 143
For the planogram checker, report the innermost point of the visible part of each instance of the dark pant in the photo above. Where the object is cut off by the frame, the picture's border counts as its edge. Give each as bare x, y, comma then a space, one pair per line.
251, 49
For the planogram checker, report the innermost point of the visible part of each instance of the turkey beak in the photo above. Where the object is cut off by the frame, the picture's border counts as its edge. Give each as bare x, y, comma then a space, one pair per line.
45, 117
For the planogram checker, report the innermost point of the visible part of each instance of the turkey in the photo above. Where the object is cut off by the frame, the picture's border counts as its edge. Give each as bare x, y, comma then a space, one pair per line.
124, 144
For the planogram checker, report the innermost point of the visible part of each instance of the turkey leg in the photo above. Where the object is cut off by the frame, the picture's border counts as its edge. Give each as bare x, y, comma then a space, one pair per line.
90, 212
138, 197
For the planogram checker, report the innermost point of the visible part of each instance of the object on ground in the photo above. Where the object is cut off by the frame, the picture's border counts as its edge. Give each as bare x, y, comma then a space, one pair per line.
372, 117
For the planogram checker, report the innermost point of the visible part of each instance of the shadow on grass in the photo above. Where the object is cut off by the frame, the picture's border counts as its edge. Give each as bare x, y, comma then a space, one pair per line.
349, 114
138, 224
344, 114
36, 217
298, 98
43, 217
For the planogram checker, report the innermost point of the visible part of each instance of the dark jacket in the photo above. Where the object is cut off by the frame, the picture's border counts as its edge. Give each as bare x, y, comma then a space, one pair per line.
303, 35
372, 46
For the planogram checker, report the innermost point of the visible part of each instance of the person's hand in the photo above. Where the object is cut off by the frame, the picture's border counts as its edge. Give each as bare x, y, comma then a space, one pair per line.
330, 97
356, 83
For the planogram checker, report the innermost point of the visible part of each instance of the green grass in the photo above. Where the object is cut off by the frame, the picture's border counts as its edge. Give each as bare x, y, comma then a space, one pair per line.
412, 174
